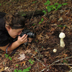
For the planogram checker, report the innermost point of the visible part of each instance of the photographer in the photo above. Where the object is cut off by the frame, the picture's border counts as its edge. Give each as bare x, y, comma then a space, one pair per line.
10, 27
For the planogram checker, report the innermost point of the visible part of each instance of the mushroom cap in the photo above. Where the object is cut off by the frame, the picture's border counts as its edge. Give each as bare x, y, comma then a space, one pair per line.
62, 35
54, 50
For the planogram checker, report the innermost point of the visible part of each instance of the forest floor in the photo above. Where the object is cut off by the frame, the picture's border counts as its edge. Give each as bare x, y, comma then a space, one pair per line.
38, 56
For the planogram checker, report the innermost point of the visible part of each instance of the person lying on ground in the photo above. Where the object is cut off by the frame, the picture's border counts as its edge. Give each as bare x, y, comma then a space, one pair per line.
10, 27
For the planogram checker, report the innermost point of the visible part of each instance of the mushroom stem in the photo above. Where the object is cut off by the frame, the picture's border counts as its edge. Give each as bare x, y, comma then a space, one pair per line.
62, 44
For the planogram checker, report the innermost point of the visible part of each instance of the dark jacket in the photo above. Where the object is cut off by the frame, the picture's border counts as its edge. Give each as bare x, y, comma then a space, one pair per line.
4, 36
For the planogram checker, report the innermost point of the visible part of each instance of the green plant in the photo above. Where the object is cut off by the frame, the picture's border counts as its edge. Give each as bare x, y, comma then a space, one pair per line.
27, 69
62, 26
7, 56
16, 64
42, 47
65, 61
24, 70
41, 21
20, 70
15, 70
31, 61
34, 1
23, 14
49, 7
44, 11
0, 4
33, 24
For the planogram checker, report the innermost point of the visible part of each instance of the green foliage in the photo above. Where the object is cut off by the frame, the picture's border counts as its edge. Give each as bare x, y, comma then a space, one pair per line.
23, 14
33, 24
20, 70
16, 64
24, 70
31, 61
44, 11
64, 4
47, 3
56, 6
41, 21
65, 61
0, 4
56, 3
27, 69
7, 56
36, 50
34, 1
62, 26
15, 70
48, 8
10, 58
42, 47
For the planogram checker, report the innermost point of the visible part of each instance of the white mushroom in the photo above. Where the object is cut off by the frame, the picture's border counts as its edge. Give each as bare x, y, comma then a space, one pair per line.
54, 50
62, 36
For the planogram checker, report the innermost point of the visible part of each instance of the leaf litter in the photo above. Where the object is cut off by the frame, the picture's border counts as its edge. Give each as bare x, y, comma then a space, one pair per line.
41, 50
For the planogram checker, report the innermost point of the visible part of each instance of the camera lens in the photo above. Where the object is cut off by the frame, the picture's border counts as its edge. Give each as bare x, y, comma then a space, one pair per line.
30, 34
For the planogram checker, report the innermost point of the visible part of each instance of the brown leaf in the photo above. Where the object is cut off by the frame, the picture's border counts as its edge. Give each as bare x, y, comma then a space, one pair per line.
39, 37
22, 56
28, 51
24, 63
1, 69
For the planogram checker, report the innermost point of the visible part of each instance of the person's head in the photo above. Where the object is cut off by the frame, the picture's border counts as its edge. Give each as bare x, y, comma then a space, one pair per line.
14, 25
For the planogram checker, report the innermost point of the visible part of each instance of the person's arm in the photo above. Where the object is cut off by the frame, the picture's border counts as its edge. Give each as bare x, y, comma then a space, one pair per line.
17, 43
13, 46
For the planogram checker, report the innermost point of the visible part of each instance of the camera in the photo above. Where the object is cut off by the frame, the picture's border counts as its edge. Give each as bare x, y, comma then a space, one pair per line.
29, 33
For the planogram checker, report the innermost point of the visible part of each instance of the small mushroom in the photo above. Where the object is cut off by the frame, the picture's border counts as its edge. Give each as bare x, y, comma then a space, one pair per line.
62, 36
54, 50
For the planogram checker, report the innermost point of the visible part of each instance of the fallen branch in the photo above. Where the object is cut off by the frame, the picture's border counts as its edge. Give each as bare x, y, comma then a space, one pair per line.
38, 59
55, 62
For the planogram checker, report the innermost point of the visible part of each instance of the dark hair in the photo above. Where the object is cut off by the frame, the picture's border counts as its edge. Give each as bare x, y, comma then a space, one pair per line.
15, 21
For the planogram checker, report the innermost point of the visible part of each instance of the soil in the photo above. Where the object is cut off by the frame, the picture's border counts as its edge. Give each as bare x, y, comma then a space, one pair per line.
40, 50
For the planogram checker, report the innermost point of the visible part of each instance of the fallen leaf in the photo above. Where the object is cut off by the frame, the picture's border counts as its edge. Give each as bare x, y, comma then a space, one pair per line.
22, 56
39, 37
1, 69
60, 19
24, 62
28, 51
5, 68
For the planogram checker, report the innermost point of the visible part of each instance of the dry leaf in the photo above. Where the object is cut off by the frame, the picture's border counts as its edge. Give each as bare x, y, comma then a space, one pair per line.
39, 37
22, 56
5, 68
28, 51
24, 62
1, 69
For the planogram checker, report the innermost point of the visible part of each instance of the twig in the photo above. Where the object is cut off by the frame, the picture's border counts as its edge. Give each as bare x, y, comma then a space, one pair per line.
55, 62
38, 59
62, 64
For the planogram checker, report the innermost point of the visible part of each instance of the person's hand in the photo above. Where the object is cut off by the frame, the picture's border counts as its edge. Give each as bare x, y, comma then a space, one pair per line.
22, 39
